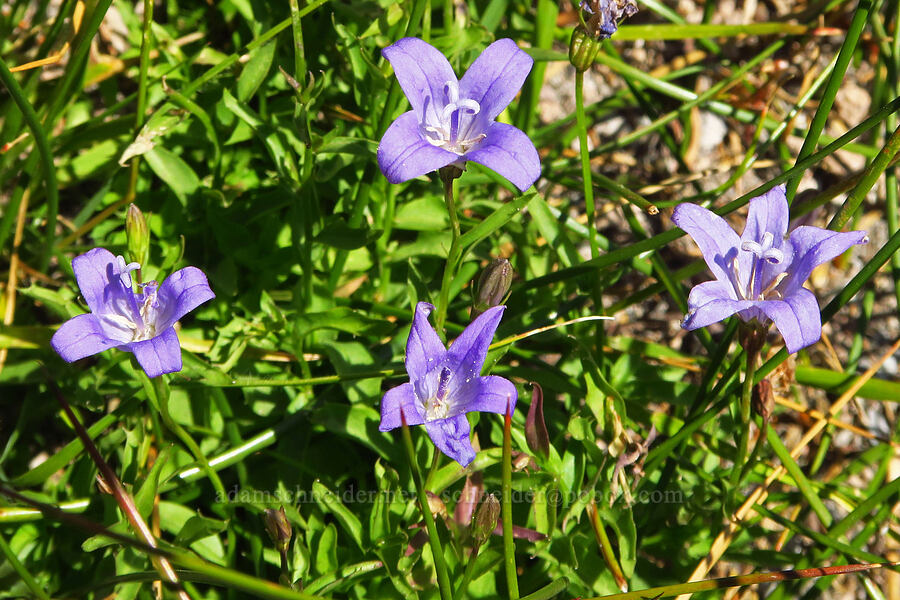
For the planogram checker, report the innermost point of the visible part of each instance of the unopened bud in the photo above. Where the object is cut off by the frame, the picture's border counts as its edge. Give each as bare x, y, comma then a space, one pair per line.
535, 429
583, 49
492, 286
485, 520
763, 399
137, 234
278, 528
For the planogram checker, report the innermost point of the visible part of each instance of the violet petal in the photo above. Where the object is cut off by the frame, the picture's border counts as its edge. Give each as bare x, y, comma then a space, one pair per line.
401, 397
491, 394
158, 355
713, 312
717, 240
424, 349
421, 70
451, 436
404, 154
768, 212
180, 293
813, 246
797, 318
466, 356
708, 291
509, 152
79, 337
495, 77
93, 271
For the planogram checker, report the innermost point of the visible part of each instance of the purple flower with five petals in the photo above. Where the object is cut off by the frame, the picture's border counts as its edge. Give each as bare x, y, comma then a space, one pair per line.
760, 274
140, 322
446, 384
452, 120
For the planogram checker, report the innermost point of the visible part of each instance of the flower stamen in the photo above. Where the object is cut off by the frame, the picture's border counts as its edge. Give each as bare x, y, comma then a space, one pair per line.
453, 129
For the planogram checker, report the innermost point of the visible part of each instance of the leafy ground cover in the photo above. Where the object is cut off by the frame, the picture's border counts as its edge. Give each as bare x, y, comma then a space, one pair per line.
638, 454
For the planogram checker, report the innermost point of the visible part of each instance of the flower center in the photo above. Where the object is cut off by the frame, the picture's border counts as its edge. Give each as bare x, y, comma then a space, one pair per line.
438, 406
452, 127
763, 253
133, 317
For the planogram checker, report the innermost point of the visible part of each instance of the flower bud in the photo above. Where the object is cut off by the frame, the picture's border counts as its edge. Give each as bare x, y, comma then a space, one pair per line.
492, 286
137, 234
485, 520
583, 49
278, 528
763, 399
535, 429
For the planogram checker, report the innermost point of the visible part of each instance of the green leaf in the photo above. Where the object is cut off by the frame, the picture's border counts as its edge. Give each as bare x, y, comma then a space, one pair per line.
326, 550
255, 71
173, 518
495, 221
423, 214
197, 528
177, 174
342, 319
146, 493
329, 502
338, 234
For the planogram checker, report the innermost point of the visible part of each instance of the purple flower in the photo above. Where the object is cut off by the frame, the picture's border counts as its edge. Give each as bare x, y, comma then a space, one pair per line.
446, 384
760, 275
140, 322
452, 120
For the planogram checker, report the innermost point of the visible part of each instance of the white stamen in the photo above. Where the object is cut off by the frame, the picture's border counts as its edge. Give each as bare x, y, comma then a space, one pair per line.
450, 127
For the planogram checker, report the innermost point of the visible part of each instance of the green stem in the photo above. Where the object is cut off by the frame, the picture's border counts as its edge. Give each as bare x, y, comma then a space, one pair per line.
585, 163
454, 253
871, 175
744, 439
435, 463
40, 140
22, 572
437, 549
460, 592
142, 91
123, 498
509, 545
860, 17
609, 556
161, 388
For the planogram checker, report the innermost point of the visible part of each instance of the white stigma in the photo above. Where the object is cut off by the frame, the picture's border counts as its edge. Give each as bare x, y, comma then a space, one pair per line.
764, 250
451, 126
124, 270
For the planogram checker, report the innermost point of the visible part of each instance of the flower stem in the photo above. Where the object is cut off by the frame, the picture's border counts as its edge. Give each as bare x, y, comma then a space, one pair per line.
590, 207
509, 546
123, 499
435, 463
161, 389
744, 440
437, 550
23, 573
448, 176
606, 549
460, 592
585, 162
